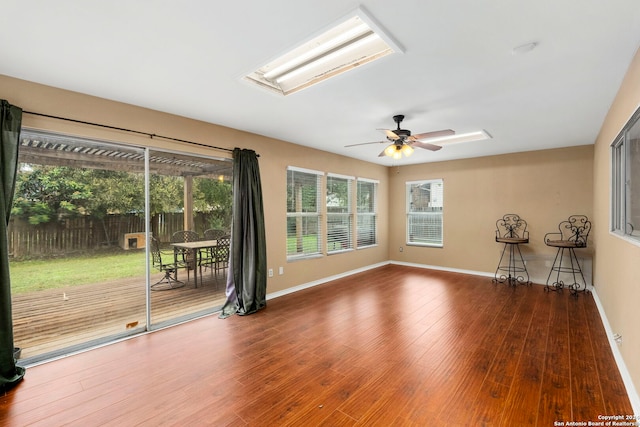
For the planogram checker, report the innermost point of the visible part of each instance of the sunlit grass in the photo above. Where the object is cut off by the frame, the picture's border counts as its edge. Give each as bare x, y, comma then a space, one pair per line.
28, 276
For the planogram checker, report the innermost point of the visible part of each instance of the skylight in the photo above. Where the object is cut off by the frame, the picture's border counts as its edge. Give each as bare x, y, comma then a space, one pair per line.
354, 41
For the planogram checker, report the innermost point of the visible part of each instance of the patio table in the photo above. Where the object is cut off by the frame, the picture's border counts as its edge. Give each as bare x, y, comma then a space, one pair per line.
195, 248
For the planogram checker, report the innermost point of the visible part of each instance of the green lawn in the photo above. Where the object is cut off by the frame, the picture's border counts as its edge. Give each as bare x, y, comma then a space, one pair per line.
28, 276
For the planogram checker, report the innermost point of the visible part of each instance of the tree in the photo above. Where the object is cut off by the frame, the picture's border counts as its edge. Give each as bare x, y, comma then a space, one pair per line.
215, 197
46, 193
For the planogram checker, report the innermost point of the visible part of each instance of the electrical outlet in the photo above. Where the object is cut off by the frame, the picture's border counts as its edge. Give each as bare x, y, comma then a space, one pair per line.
271, 272
617, 338
401, 249
281, 270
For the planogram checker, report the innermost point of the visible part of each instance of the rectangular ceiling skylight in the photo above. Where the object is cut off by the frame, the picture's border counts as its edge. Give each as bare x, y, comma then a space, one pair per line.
355, 41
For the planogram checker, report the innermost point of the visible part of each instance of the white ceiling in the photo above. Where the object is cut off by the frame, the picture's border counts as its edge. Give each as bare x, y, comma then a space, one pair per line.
457, 71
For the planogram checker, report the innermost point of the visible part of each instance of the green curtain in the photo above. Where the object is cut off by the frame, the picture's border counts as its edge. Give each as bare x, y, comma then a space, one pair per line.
10, 122
247, 278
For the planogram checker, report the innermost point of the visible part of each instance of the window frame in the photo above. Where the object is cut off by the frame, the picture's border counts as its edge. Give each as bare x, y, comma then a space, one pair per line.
622, 173
372, 214
306, 216
345, 239
411, 215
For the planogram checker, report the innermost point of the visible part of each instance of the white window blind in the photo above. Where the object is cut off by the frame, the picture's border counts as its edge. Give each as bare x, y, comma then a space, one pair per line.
303, 213
367, 217
339, 213
425, 202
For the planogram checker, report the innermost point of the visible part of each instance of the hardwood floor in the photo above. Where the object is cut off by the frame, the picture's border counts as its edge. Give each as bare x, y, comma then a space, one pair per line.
394, 346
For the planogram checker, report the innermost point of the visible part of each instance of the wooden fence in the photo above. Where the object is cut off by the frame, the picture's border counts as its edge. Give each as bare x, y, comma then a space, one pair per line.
83, 234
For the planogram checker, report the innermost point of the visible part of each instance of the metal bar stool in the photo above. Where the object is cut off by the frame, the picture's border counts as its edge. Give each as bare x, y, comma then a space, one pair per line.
572, 234
512, 231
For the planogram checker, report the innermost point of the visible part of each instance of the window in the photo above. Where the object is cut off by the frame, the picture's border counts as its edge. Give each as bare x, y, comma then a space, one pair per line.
303, 213
625, 180
424, 212
339, 213
367, 221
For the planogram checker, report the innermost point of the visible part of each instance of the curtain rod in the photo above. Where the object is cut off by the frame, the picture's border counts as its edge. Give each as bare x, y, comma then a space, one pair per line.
150, 135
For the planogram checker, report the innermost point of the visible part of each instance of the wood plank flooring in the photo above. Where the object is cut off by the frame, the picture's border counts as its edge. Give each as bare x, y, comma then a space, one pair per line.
394, 346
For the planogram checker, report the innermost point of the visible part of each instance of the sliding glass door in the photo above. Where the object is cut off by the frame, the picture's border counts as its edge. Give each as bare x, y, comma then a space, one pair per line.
87, 219
188, 201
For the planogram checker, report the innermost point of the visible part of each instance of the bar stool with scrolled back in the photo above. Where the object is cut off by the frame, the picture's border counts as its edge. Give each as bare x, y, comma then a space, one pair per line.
512, 231
572, 234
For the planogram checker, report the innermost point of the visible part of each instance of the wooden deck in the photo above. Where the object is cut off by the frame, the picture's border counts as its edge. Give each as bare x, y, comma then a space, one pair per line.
50, 320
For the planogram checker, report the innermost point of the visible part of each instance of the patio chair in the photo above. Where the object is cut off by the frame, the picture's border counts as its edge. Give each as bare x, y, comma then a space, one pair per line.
207, 257
185, 255
221, 253
165, 262
214, 233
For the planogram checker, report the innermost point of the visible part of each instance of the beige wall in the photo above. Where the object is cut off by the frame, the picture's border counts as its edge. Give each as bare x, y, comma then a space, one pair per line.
275, 156
617, 266
543, 187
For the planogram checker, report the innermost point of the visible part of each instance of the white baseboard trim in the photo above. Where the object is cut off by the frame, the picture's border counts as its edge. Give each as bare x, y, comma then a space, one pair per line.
323, 280
437, 267
622, 367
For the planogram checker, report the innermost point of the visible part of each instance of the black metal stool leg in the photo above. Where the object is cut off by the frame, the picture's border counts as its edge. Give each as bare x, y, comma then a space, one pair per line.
575, 287
515, 264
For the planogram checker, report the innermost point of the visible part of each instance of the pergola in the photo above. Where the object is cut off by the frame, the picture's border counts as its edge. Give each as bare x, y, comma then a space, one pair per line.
46, 148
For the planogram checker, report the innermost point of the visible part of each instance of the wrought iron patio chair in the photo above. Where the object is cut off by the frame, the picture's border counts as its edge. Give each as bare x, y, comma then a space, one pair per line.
185, 256
221, 253
207, 256
214, 233
166, 263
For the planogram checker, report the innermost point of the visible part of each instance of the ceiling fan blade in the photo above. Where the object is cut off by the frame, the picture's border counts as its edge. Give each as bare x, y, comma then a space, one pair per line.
367, 143
382, 154
426, 145
390, 134
434, 134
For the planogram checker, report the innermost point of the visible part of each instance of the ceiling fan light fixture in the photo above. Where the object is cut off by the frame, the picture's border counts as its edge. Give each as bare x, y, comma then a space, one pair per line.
407, 150
391, 150
396, 151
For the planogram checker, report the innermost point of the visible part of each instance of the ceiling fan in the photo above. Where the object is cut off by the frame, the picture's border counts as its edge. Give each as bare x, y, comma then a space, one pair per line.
402, 142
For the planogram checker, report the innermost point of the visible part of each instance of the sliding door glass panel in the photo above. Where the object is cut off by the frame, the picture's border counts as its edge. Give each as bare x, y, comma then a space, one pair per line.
77, 244
189, 203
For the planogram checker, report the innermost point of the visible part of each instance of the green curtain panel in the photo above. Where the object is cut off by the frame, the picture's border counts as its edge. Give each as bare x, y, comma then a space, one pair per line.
247, 278
10, 122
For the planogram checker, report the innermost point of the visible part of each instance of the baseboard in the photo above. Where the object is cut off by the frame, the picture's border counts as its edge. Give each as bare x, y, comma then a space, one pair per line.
622, 367
323, 280
437, 267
